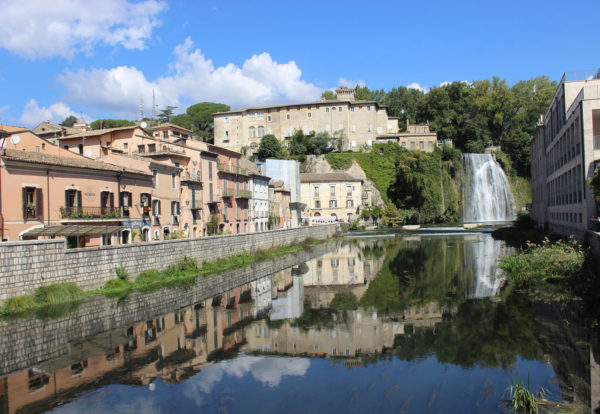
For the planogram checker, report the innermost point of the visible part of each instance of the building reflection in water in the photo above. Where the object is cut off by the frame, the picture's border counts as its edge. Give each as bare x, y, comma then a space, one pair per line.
287, 313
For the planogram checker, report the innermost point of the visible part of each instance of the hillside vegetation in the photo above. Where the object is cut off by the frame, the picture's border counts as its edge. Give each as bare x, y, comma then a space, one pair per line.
418, 187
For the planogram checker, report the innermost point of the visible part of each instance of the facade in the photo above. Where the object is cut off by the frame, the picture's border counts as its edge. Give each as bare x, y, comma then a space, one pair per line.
359, 122
565, 151
416, 137
259, 204
48, 130
88, 202
280, 215
330, 196
288, 171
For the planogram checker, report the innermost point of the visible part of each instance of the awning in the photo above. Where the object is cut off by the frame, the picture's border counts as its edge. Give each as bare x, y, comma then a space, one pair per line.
72, 230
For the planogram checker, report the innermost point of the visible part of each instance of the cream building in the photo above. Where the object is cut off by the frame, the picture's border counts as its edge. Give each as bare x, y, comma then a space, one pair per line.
565, 151
359, 122
330, 196
416, 137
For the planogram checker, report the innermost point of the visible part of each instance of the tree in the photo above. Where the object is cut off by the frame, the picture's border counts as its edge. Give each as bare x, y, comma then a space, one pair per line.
69, 121
110, 123
166, 114
329, 96
199, 119
595, 185
269, 148
363, 93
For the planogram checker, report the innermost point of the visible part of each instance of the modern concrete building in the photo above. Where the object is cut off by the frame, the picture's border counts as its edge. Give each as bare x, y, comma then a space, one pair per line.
259, 204
565, 150
330, 196
288, 171
358, 122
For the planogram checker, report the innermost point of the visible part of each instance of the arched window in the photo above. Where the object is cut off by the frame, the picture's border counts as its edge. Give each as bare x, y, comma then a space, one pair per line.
252, 132
261, 131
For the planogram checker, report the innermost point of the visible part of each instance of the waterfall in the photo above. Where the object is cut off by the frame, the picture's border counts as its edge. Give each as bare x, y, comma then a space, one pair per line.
486, 195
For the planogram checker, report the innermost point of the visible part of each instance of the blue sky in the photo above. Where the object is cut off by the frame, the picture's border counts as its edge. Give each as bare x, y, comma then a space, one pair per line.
100, 58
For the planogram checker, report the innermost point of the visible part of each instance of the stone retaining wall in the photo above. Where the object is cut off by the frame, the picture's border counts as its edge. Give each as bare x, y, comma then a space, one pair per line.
26, 265
26, 342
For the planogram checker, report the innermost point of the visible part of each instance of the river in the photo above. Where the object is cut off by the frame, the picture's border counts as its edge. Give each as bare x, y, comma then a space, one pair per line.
409, 324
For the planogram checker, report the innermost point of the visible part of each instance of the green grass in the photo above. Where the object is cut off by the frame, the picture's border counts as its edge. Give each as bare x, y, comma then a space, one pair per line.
56, 299
522, 399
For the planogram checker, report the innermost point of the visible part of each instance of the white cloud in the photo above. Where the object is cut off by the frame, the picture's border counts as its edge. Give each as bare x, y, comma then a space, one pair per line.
351, 83
40, 28
267, 370
33, 114
415, 85
192, 78
444, 83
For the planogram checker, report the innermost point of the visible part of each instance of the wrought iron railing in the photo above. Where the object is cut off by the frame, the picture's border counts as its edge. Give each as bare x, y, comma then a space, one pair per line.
93, 212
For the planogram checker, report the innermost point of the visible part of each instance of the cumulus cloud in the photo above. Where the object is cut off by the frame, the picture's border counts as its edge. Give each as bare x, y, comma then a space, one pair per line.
351, 83
33, 114
267, 370
415, 85
41, 29
192, 78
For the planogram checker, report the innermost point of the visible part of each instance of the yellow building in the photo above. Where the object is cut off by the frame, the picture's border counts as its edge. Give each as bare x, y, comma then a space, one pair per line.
330, 196
358, 122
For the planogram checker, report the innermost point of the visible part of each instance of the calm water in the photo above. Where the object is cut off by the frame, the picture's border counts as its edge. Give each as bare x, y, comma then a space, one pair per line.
412, 324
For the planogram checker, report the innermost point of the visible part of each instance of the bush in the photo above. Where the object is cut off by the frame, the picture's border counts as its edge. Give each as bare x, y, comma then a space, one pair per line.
20, 304
58, 293
344, 301
121, 272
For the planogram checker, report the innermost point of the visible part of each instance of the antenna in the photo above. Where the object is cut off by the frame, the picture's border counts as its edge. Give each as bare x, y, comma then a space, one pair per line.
141, 108
153, 106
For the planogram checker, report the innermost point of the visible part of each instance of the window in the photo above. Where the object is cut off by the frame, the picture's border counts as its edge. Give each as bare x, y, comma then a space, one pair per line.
175, 211
165, 134
352, 109
151, 147
340, 109
335, 262
125, 202
368, 107
107, 202
288, 116
80, 148
269, 118
226, 139
316, 190
156, 207
226, 120
309, 115
349, 190
317, 203
332, 190
210, 170
260, 116
261, 131
421, 145
353, 128
72, 201
369, 128
145, 202
349, 203
251, 116
332, 203
173, 180
326, 109
140, 148
155, 178
125, 146
33, 202
252, 132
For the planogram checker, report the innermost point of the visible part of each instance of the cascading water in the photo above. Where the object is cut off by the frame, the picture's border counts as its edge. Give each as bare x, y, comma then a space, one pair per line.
487, 195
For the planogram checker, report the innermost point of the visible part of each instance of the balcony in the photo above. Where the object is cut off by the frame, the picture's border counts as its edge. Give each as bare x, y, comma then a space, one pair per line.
72, 212
228, 192
231, 169
195, 204
243, 194
193, 177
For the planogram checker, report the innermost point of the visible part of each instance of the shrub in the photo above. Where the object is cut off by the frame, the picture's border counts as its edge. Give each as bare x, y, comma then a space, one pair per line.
344, 301
523, 400
20, 304
58, 293
121, 272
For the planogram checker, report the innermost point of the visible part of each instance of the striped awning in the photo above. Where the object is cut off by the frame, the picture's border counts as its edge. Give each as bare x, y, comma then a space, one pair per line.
72, 230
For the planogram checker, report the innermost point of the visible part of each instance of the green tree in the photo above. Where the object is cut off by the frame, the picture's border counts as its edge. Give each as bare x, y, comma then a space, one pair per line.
329, 96
363, 93
166, 114
110, 123
595, 185
69, 121
199, 119
269, 148
391, 215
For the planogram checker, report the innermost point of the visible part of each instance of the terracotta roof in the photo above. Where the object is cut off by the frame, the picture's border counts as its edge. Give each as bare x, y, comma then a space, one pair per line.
334, 102
12, 129
48, 127
74, 162
326, 177
98, 132
169, 125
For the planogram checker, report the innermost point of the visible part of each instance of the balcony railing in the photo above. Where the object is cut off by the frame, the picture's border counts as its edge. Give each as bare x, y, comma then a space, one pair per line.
243, 194
228, 192
193, 176
92, 212
195, 204
231, 169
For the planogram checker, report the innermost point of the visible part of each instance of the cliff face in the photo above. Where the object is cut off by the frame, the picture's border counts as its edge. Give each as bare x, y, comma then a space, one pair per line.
318, 164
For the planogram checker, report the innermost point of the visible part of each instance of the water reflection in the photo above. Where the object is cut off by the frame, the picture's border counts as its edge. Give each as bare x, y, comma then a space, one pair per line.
425, 302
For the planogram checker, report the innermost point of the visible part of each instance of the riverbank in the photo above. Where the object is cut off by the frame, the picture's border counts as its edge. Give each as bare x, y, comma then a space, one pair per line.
28, 265
183, 272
